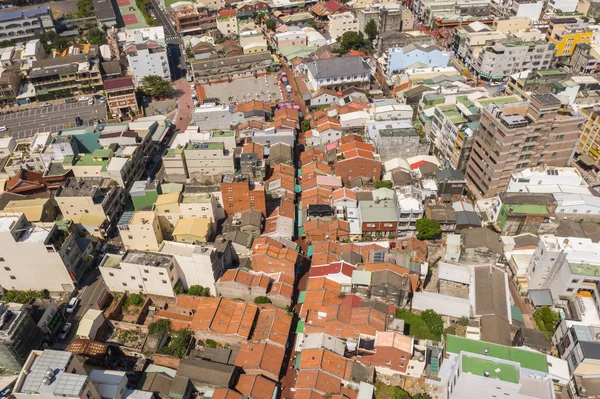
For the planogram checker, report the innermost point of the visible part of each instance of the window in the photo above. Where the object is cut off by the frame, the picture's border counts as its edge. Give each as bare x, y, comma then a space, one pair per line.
13, 278
229, 188
164, 281
124, 284
252, 198
7, 268
111, 274
130, 237
146, 271
230, 205
144, 278
1, 259
140, 287
252, 205
132, 277
230, 198
161, 274
88, 394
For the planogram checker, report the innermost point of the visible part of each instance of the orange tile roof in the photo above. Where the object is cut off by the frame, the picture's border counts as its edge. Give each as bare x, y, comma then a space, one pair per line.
223, 393
251, 124
254, 105
287, 113
321, 359
309, 170
224, 316
280, 169
227, 13
254, 148
339, 227
255, 387
245, 278
344, 193
274, 325
282, 289
308, 394
263, 357
319, 381
312, 155
273, 249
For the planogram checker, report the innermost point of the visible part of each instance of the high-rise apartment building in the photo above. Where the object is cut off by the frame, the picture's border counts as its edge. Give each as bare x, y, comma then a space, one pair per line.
515, 136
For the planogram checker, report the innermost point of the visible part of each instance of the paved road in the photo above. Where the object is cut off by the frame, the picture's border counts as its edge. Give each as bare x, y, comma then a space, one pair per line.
177, 58
185, 105
25, 124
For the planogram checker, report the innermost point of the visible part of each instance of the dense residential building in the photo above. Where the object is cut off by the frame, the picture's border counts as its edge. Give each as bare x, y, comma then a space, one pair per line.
504, 59
388, 16
341, 23
10, 84
402, 58
19, 335
138, 271
227, 22
523, 135
240, 196
140, 230
566, 34
147, 58
68, 379
190, 20
87, 200
470, 365
53, 257
21, 25
120, 96
589, 145
65, 76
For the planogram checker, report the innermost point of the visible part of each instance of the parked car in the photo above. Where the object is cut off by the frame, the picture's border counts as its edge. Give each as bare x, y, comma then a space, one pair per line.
193, 87
3, 128
72, 305
70, 100
156, 98
78, 121
84, 98
90, 102
45, 105
64, 331
190, 78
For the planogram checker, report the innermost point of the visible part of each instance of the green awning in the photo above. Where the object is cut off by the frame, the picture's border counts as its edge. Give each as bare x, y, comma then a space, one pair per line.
516, 314
311, 250
300, 327
301, 297
297, 362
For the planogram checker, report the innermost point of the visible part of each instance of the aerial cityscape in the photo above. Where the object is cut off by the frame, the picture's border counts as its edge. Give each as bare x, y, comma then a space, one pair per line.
299, 199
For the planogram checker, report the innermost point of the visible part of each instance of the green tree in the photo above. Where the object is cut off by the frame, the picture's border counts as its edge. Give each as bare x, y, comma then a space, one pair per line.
160, 326
96, 36
23, 296
134, 300
371, 29
259, 17
262, 299
178, 345
50, 40
463, 321
271, 24
383, 184
211, 343
154, 85
548, 319
433, 321
198, 290
352, 41
312, 24
428, 229
305, 125
85, 9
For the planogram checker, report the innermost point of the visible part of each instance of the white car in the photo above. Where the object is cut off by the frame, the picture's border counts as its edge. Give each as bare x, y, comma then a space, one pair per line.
45, 105
190, 78
84, 98
64, 331
3, 128
72, 305
90, 102
193, 87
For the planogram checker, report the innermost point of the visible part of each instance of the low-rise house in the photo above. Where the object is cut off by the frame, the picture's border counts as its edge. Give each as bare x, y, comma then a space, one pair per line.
357, 159
261, 359
379, 213
237, 283
233, 67
193, 230
392, 353
337, 73
270, 256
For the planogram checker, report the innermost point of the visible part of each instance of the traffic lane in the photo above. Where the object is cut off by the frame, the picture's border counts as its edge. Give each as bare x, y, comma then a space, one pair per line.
50, 119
